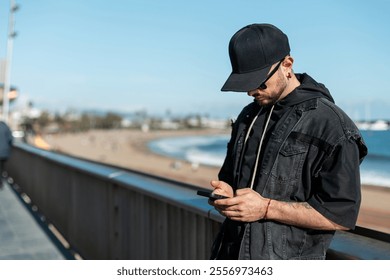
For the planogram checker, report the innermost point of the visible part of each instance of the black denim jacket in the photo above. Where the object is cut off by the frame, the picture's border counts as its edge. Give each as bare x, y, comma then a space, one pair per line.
313, 155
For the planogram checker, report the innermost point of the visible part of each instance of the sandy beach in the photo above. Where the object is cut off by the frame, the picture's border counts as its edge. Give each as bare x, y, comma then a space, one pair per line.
128, 148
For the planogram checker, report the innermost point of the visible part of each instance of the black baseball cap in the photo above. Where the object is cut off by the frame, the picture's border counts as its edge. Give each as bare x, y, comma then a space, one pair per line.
253, 50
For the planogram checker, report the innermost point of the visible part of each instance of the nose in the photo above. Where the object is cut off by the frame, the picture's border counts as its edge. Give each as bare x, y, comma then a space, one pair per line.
252, 92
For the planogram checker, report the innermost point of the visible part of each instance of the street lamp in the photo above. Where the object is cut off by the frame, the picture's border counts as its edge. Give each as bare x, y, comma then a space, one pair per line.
7, 72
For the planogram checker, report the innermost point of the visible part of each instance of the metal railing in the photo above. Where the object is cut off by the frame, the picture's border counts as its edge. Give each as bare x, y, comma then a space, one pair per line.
106, 212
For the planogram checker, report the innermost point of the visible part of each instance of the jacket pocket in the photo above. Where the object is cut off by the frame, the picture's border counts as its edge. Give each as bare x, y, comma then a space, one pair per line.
289, 162
286, 172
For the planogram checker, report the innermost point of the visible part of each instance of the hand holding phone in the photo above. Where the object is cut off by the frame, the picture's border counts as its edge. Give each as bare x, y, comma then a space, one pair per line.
212, 196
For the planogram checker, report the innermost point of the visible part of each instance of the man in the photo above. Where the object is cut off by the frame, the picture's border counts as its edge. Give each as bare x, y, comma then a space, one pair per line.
292, 166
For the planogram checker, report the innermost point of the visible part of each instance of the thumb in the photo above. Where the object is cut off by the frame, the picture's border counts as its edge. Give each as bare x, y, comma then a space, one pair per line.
222, 185
217, 184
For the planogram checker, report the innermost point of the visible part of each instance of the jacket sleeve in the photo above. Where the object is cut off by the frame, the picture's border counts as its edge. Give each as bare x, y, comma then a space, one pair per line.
337, 191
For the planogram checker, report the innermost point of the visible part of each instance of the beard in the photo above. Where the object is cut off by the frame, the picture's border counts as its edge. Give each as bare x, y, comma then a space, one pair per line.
276, 94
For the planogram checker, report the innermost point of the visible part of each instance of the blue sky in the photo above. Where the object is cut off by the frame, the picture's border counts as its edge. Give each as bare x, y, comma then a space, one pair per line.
172, 55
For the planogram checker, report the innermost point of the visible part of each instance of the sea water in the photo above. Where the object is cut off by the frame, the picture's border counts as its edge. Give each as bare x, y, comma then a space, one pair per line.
211, 149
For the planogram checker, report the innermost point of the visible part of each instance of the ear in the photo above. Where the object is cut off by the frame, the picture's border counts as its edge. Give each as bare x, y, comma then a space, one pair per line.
288, 62
287, 66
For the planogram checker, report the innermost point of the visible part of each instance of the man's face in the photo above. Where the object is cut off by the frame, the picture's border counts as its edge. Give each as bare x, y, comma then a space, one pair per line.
275, 88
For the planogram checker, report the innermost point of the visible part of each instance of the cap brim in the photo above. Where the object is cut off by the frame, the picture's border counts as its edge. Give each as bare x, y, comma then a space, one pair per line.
246, 81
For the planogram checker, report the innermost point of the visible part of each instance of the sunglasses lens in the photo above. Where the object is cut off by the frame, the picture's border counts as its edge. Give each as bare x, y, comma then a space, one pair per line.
263, 85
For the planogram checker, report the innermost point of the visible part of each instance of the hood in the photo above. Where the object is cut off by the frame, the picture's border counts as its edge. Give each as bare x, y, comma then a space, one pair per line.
309, 85
309, 89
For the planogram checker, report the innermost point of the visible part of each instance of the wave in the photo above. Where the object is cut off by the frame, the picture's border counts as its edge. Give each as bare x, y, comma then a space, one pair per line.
211, 150
378, 157
207, 150
369, 177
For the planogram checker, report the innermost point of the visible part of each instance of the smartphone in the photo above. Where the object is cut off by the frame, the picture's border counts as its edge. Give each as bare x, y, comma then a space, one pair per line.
210, 194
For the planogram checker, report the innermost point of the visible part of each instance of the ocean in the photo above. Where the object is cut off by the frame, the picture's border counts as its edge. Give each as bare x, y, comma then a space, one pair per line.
211, 150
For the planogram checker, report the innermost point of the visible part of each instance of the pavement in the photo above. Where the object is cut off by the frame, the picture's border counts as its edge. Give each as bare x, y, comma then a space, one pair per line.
22, 235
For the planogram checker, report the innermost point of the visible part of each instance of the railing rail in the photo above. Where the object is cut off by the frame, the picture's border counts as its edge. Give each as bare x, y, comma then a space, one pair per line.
106, 212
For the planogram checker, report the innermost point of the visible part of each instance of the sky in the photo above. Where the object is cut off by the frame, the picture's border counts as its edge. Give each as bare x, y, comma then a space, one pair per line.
172, 56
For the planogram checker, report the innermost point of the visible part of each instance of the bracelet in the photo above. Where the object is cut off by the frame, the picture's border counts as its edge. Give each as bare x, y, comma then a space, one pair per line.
266, 210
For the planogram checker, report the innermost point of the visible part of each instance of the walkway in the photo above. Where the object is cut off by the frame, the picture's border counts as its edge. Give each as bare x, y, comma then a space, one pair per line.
21, 236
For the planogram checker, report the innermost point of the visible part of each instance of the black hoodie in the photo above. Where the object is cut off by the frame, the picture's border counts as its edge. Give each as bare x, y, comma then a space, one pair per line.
308, 89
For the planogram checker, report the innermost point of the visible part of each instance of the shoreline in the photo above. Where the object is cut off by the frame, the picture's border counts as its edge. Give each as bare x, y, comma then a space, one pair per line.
129, 149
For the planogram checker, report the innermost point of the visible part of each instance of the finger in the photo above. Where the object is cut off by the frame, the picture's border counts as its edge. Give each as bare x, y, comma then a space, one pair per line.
244, 191
226, 202
225, 187
218, 183
232, 214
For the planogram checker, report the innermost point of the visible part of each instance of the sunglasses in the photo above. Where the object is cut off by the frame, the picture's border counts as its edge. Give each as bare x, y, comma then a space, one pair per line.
263, 85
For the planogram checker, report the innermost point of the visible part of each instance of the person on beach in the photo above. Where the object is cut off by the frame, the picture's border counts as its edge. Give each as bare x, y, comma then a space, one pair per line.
291, 173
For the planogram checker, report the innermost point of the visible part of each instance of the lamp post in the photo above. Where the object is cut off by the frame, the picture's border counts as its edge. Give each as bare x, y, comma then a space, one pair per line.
7, 73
